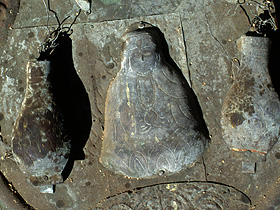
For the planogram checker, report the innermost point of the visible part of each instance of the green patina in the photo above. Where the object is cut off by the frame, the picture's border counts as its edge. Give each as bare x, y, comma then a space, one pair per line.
2, 207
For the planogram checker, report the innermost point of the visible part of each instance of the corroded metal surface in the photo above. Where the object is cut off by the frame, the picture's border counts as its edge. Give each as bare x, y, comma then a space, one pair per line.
179, 196
151, 118
40, 145
251, 110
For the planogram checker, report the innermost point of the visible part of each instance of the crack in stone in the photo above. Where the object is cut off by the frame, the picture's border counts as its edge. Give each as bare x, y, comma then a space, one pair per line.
186, 53
205, 169
18, 198
179, 182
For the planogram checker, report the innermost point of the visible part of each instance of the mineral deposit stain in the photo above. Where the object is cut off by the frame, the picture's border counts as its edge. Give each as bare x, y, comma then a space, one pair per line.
21, 89
127, 185
31, 57
277, 155
60, 204
31, 34
245, 199
236, 119
1, 116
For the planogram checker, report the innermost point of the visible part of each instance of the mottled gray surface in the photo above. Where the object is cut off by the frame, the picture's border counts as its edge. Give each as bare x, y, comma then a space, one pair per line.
251, 109
39, 143
152, 124
102, 10
202, 31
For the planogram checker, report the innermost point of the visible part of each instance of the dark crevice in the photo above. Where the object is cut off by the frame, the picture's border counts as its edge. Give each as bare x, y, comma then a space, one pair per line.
17, 197
1, 137
90, 6
205, 169
245, 12
261, 28
277, 7
274, 53
244, 196
217, 40
163, 50
186, 52
3, 5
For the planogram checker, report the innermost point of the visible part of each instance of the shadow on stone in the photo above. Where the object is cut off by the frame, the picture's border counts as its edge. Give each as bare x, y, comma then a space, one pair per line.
163, 49
70, 96
266, 30
274, 53
10, 198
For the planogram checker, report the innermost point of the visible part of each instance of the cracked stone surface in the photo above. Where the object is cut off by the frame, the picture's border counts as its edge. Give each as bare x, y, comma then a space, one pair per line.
202, 41
197, 195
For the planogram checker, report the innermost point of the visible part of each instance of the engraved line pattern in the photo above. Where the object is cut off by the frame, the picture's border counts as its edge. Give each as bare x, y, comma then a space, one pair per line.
154, 130
198, 196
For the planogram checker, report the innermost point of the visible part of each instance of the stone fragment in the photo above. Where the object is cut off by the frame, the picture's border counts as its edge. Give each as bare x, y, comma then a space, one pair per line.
248, 167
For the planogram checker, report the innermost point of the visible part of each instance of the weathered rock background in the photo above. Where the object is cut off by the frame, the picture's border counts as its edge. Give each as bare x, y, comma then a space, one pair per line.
201, 35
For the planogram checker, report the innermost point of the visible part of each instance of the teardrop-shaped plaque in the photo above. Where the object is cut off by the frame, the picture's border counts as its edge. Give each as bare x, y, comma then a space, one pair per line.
251, 110
152, 125
40, 145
